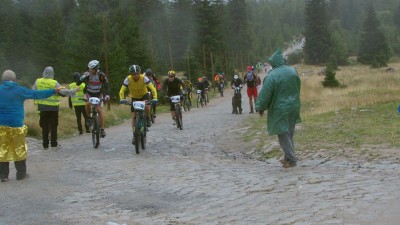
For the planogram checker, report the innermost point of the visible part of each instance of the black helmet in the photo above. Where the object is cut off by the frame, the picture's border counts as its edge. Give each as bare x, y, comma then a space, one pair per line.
134, 69
149, 72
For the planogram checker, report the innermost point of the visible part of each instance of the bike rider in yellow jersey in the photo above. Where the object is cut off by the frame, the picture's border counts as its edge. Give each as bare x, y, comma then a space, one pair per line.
137, 84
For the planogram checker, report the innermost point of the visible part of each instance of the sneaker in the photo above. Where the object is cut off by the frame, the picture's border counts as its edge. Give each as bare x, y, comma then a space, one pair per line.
25, 176
102, 133
4, 179
89, 122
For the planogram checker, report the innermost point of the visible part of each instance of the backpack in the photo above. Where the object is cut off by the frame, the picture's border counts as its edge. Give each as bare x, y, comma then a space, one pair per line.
249, 76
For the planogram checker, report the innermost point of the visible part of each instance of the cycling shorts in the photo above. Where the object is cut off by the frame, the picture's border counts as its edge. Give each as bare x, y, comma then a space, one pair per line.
252, 91
144, 98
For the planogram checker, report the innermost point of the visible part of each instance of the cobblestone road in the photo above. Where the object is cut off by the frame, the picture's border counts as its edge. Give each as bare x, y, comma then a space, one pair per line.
184, 177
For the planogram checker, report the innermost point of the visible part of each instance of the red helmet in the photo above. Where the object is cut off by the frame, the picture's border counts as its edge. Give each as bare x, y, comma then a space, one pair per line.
249, 68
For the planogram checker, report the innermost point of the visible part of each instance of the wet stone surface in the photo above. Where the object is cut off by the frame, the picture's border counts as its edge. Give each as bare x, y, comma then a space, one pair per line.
194, 176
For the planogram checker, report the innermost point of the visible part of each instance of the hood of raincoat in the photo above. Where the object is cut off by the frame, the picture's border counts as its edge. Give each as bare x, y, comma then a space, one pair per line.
9, 84
76, 76
48, 72
277, 59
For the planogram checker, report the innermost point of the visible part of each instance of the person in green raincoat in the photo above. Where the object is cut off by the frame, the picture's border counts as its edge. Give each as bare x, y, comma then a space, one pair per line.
280, 96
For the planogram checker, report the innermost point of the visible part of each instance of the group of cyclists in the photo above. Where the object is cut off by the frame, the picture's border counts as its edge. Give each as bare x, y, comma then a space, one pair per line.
144, 86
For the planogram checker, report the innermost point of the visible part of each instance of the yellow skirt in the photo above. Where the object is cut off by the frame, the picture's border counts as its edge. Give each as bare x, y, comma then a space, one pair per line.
12, 143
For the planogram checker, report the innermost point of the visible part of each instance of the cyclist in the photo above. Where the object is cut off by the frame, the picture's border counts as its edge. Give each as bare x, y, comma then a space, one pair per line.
203, 85
156, 83
95, 80
173, 86
237, 97
188, 86
219, 79
137, 84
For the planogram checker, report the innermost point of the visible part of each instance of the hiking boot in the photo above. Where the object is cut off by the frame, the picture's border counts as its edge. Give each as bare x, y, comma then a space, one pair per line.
25, 176
288, 164
102, 133
89, 122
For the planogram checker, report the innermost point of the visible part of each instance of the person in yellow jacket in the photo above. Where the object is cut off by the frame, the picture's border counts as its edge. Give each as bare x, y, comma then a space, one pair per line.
78, 103
137, 84
48, 108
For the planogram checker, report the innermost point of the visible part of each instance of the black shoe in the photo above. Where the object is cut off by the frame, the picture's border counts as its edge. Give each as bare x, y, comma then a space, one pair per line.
102, 133
25, 176
80, 132
88, 131
4, 179
251, 111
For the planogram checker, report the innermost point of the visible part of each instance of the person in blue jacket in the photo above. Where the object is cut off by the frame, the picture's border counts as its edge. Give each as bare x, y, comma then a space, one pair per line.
280, 95
13, 146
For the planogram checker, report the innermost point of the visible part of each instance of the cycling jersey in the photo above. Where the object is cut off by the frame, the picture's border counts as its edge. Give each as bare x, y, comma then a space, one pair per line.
137, 88
94, 83
173, 87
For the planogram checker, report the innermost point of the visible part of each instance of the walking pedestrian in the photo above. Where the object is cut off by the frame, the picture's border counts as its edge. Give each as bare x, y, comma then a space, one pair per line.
13, 146
78, 103
280, 96
48, 108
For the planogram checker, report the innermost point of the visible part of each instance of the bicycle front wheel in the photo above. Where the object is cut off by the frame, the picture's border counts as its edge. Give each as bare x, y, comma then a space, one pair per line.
96, 131
198, 100
178, 111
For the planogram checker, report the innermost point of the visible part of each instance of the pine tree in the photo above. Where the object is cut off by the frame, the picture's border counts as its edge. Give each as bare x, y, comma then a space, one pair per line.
318, 46
373, 49
330, 77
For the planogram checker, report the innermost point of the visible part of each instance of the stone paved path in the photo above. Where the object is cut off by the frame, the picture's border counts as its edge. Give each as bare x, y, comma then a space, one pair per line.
185, 177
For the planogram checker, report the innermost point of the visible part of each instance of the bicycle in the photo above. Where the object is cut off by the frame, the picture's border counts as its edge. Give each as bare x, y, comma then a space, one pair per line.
140, 125
200, 98
186, 103
95, 123
176, 99
221, 88
207, 100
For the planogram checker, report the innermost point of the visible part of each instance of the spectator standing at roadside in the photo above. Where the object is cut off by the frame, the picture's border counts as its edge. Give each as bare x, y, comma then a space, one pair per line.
78, 103
13, 146
280, 96
252, 81
49, 107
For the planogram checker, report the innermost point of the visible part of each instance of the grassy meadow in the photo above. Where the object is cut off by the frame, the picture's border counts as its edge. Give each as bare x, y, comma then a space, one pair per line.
360, 115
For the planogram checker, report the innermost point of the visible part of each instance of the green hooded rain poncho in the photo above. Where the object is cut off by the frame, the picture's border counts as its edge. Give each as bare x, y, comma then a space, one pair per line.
280, 95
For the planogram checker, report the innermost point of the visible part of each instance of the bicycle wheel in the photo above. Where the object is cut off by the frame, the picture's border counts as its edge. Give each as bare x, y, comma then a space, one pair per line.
187, 104
95, 131
178, 111
152, 112
143, 132
199, 101
136, 134
184, 104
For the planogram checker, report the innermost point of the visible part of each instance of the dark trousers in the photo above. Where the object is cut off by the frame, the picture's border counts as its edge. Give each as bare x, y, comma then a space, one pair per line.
48, 122
20, 166
79, 112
